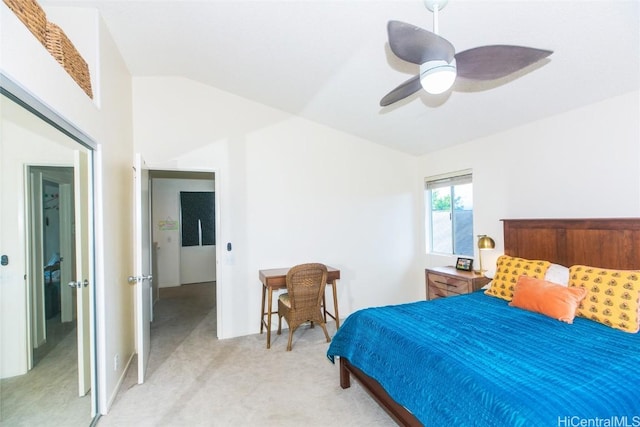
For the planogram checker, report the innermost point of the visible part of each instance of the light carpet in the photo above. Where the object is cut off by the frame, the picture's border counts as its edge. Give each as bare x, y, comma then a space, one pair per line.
48, 394
194, 379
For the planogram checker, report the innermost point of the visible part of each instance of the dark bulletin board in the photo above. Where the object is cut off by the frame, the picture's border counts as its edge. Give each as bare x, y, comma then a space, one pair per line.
197, 208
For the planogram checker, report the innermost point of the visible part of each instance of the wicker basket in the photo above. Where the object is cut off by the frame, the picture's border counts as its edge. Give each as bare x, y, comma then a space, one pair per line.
59, 45
32, 15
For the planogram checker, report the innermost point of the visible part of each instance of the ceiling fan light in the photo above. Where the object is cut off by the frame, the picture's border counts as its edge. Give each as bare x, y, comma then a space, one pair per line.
437, 76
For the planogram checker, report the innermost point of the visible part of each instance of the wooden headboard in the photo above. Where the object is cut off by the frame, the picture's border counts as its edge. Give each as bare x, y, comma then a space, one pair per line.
606, 243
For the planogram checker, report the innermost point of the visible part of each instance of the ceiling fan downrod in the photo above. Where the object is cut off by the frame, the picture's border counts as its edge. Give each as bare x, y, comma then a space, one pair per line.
435, 6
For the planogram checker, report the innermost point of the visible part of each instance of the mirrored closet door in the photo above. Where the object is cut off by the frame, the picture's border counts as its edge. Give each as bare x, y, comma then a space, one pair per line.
47, 360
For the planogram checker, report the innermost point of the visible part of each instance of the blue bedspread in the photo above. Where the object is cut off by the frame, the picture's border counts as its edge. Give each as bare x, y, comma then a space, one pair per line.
473, 360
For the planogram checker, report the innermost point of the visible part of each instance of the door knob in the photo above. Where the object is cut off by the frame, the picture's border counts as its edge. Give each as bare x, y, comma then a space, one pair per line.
79, 284
135, 279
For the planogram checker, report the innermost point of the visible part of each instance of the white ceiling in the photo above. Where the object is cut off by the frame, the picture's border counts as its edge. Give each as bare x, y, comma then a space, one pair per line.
329, 61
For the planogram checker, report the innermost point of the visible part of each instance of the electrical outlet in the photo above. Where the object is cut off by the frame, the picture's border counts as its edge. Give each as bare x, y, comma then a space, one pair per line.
116, 362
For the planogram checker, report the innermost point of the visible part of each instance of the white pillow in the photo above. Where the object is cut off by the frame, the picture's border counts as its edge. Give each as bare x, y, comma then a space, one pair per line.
557, 274
490, 272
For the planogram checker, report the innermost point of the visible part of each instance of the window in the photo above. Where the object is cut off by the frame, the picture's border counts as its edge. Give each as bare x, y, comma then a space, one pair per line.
197, 215
449, 200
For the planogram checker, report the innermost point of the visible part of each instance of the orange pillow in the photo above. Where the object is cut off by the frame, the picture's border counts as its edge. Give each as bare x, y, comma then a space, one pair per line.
550, 299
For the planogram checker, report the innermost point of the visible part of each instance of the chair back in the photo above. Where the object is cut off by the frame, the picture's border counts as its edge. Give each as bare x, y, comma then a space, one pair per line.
305, 285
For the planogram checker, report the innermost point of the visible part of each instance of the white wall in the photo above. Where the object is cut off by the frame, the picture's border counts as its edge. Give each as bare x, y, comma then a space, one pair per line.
198, 261
108, 122
584, 163
290, 191
115, 218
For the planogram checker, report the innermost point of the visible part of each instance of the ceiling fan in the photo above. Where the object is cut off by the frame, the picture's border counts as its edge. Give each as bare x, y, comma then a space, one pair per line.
440, 64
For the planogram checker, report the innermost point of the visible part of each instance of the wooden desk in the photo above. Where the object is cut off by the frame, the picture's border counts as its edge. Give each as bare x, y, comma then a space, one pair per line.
276, 278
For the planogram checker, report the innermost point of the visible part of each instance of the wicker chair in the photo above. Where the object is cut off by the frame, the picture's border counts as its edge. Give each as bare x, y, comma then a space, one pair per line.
303, 300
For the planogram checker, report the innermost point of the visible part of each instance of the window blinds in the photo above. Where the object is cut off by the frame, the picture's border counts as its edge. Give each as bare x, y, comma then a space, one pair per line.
448, 180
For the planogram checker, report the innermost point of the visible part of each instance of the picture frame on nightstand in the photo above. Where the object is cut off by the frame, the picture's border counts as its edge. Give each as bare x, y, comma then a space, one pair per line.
464, 264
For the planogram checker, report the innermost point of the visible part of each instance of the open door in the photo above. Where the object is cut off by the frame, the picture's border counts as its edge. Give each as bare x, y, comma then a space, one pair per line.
35, 262
142, 278
83, 270
67, 221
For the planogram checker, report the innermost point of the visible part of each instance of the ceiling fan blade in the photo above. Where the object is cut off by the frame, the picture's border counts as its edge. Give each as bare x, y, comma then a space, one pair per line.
493, 62
407, 88
416, 45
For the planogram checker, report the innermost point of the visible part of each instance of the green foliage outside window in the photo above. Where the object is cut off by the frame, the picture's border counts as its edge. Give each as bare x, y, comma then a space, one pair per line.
443, 203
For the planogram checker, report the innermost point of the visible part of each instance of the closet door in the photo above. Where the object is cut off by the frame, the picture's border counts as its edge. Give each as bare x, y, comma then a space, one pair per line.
83, 215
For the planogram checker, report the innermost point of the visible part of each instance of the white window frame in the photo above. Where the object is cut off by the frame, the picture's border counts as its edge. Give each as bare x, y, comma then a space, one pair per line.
445, 181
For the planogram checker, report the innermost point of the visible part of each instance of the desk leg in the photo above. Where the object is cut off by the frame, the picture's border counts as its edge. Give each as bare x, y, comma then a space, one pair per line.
334, 285
324, 307
264, 294
269, 303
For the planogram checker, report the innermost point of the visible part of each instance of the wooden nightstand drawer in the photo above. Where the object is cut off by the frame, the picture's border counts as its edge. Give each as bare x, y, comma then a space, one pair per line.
447, 281
435, 292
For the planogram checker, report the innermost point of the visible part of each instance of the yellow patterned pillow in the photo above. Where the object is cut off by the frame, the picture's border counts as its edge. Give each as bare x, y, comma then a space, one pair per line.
509, 269
612, 296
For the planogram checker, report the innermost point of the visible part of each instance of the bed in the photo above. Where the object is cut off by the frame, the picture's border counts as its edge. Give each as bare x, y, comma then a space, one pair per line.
475, 360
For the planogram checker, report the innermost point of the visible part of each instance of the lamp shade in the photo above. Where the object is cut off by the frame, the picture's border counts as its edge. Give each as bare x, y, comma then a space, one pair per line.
485, 242
437, 76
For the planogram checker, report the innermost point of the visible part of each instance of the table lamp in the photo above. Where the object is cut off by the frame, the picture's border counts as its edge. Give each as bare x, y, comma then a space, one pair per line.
484, 242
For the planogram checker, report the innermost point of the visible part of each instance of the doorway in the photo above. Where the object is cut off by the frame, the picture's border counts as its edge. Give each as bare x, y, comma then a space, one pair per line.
184, 246
183, 252
53, 302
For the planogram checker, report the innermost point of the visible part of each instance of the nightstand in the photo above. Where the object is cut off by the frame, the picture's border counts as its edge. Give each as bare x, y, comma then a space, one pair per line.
447, 281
